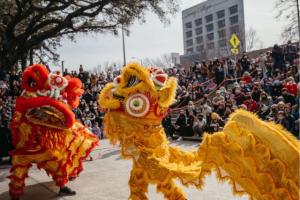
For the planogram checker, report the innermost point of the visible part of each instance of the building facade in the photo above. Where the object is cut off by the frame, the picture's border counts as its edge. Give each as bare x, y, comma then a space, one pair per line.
208, 27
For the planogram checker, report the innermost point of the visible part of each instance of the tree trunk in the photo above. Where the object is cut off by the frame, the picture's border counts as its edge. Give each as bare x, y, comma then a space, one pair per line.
31, 56
24, 62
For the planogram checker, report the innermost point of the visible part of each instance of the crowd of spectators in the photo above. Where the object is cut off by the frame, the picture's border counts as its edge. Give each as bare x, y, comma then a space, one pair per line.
207, 93
267, 85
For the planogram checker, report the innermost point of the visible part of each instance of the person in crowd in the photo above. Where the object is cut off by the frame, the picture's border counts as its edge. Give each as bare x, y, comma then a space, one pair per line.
97, 130
204, 71
288, 97
250, 103
282, 119
199, 123
291, 86
190, 108
245, 64
218, 71
239, 95
246, 78
217, 99
290, 52
231, 67
168, 126
181, 124
215, 124
278, 58
256, 91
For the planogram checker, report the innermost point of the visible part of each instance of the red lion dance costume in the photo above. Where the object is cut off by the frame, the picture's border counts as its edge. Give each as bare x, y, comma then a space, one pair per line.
45, 131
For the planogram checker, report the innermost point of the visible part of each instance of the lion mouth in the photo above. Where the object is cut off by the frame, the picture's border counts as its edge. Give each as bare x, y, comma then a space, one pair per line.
46, 116
46, 111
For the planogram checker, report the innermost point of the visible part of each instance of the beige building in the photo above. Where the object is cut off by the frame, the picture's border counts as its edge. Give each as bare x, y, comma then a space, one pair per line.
208, 26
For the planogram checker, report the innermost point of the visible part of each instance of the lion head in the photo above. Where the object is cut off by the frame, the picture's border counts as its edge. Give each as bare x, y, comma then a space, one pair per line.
139, 96
140, 93
48, 98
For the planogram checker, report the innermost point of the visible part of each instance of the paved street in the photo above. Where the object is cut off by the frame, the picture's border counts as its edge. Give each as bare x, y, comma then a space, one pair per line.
106, 178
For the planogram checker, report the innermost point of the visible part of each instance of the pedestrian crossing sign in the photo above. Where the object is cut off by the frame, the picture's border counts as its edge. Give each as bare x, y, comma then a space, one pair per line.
234, 41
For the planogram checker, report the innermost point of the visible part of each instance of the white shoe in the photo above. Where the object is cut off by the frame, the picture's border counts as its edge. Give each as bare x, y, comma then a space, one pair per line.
179, 139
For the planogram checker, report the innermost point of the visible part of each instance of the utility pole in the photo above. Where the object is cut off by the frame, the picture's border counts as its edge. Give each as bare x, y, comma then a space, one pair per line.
124, 53
298, 16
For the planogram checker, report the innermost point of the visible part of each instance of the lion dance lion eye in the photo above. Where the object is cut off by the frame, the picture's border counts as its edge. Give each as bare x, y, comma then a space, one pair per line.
31, 82
117, 80
137, 105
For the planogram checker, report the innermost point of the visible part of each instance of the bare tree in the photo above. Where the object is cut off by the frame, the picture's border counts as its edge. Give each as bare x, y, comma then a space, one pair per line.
164, 61
38, 25
288, 10
252, 40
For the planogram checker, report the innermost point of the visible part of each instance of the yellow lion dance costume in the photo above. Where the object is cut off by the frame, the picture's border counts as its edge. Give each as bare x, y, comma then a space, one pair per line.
45, 131
257, 158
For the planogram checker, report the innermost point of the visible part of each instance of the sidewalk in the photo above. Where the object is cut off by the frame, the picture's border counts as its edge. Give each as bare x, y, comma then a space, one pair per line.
106, 178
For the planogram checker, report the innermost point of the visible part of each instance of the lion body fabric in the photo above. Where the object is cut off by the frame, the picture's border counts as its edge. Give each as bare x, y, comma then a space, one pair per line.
41, 138
257, 158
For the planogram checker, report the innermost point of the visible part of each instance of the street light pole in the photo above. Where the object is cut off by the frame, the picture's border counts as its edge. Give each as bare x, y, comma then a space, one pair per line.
123, 39
298, 16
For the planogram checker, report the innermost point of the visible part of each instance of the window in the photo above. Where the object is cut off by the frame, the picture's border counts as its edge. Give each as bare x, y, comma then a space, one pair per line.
209, 27
211, 45
190, 50
198, 22
221, 23
234, 29
199, 31
200, 48
233, 9
199, 39
222, 43
209, 18
189, 34
222, 33
210, 36
189, 42
188, 25
234, 19
221, 14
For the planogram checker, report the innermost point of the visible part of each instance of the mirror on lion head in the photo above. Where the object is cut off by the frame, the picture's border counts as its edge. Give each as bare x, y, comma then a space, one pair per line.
139, 92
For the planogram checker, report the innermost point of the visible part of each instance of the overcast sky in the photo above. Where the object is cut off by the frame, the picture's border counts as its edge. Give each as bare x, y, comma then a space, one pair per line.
153, 38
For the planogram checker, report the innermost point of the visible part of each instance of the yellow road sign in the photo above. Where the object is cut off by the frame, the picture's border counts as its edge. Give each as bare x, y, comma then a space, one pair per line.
234, 41
234, 51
